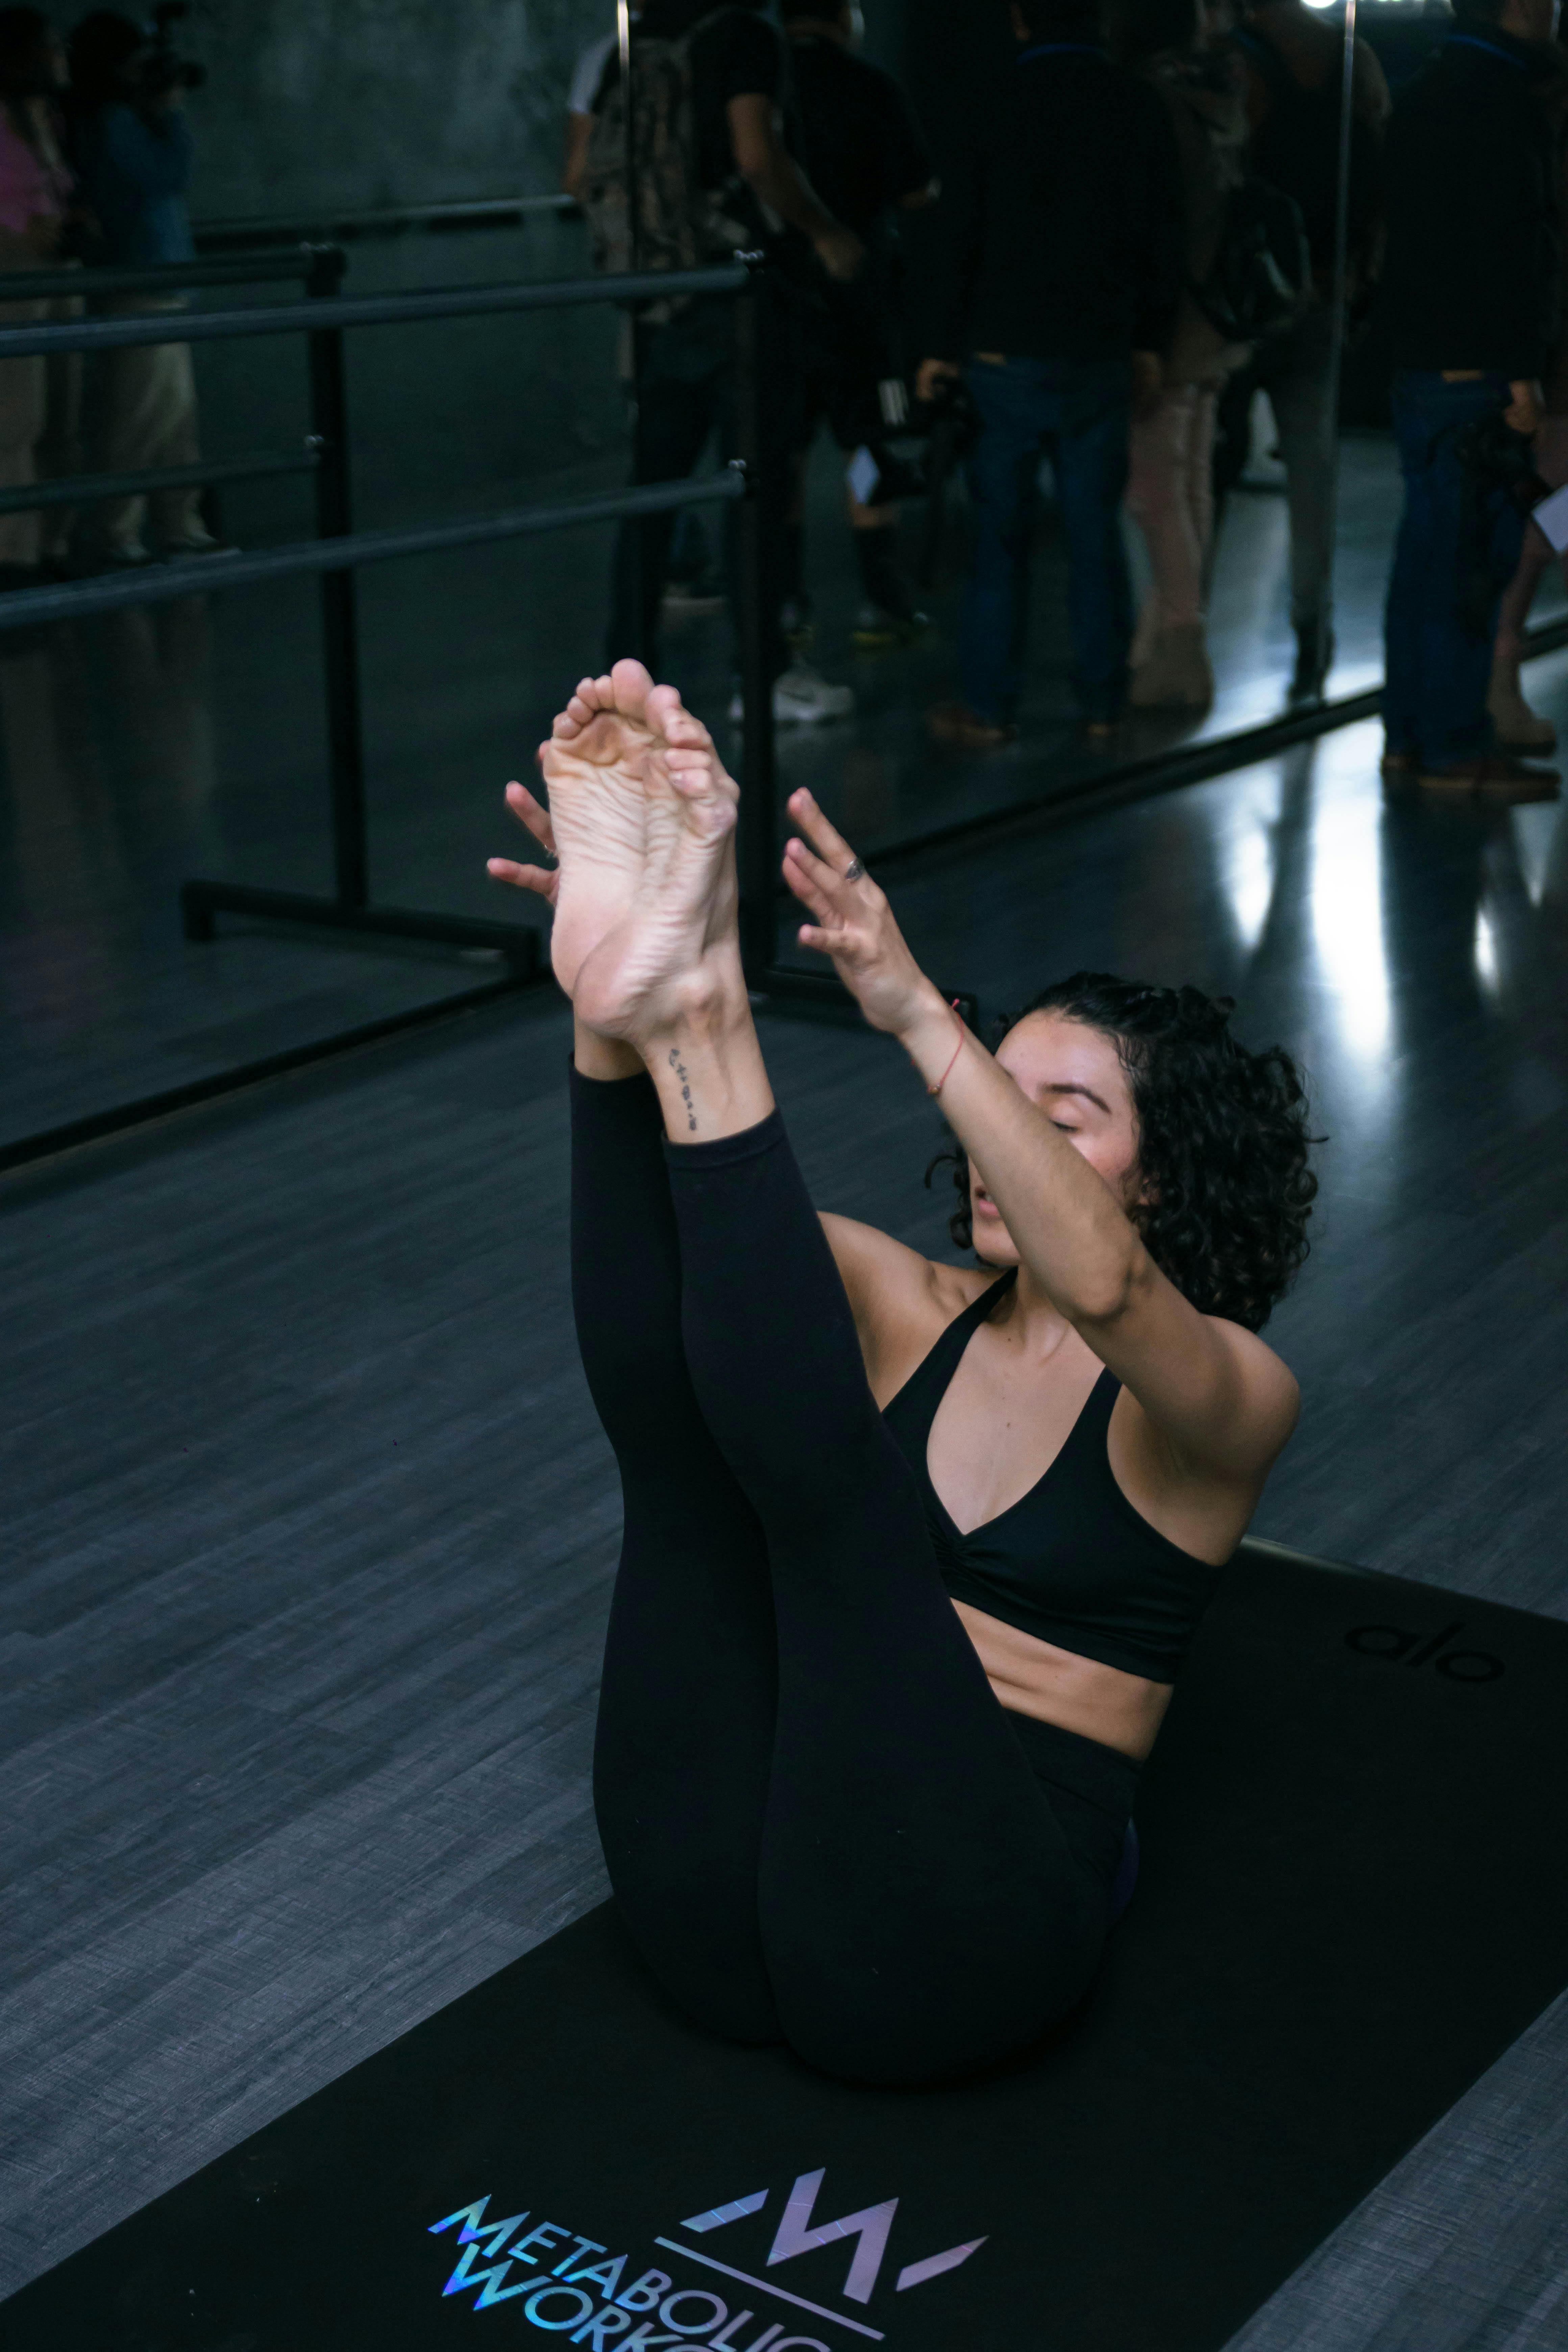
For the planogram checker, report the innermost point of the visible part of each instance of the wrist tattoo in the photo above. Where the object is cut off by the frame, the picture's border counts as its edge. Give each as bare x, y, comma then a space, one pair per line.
679, 1066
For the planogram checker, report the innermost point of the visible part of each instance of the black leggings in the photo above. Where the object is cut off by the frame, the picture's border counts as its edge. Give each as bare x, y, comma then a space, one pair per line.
818, 1823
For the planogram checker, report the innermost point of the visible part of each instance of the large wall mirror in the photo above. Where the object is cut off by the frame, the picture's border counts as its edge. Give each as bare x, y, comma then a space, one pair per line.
147, 745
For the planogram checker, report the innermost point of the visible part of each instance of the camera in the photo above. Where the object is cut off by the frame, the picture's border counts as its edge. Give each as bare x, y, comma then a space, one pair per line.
160, 68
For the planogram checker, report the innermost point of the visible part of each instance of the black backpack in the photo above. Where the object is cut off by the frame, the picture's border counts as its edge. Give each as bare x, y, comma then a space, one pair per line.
1261, 275
678, 224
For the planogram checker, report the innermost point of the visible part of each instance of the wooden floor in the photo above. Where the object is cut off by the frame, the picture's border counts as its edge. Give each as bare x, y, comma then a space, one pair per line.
311, 1525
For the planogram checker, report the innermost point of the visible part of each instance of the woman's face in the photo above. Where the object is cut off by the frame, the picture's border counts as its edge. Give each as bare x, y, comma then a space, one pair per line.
1075, 1075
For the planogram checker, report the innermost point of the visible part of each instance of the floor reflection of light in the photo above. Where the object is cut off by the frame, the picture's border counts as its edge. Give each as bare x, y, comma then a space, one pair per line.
1533, 830
1347, 916
1251, 882
1485, 953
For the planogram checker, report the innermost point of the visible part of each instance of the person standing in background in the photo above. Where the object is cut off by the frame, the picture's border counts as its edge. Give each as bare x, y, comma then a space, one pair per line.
1059, 274
1170, 491
583, 88
134, 152
1518, 727
1294, 67
730, 66
865, 156
692, 583
36, 199
1474, 298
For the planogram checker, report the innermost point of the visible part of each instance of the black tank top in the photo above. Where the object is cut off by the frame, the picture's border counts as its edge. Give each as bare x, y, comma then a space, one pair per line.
1071, 1561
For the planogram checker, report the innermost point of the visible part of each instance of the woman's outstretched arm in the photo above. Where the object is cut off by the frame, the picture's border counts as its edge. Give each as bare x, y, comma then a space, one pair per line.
1221, 1397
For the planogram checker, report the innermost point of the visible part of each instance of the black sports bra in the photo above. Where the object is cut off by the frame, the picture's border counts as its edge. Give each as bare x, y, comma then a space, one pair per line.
1071, 1561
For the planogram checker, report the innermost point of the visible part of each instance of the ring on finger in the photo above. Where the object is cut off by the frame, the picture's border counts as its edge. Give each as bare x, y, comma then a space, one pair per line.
853, 871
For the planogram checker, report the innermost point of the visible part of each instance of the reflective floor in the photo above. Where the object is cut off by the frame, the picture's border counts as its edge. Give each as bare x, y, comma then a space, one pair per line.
341, 1549
187, 739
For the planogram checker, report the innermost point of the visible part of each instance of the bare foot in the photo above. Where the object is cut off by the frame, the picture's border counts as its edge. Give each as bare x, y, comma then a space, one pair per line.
596, 824
641, 820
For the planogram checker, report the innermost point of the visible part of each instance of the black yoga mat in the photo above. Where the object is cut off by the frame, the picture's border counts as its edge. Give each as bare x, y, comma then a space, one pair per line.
1352, 1899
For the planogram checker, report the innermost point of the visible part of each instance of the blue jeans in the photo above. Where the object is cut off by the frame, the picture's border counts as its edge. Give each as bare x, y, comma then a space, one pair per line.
1078, 413
1454, 558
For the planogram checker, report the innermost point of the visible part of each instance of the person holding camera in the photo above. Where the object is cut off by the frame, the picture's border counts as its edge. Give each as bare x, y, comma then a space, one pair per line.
36, 197
1473, 298
133, 154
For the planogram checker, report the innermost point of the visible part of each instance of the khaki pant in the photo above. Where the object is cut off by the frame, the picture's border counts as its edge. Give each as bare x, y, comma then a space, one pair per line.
1170, 495
147, 417
40, 406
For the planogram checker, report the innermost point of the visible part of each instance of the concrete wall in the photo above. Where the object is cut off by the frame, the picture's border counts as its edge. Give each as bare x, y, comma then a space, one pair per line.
361, 103
323, 105
352, 103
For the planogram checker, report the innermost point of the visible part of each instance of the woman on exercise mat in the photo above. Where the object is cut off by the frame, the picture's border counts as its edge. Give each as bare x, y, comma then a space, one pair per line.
912, 1552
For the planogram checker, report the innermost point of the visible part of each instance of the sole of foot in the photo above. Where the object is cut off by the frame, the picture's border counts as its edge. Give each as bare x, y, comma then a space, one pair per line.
644, 817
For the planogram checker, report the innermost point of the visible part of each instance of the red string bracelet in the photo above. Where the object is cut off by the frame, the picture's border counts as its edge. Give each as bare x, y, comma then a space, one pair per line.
963, 1034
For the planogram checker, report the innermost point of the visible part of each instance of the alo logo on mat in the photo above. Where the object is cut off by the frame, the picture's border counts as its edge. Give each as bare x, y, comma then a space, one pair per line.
1401, 1647
573, 2285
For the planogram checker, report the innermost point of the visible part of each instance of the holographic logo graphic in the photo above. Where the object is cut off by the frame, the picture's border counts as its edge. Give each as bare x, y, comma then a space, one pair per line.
571, 2286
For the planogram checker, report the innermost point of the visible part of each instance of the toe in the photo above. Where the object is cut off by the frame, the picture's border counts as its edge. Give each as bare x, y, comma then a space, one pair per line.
629, 687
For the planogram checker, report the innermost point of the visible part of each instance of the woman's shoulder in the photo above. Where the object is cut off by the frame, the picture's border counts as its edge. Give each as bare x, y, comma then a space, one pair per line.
894, 1289
901, 1301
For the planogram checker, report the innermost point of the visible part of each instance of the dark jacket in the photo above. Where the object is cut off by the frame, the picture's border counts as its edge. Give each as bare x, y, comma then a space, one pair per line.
1471, 274
1059, 230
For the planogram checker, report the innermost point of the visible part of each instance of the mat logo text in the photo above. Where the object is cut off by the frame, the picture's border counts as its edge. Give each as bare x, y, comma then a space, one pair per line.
573, 2285
1402, 1648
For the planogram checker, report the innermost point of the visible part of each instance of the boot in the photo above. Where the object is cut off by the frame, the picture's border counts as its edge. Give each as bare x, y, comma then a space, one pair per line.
1518, 729
1176, 675
1314, 659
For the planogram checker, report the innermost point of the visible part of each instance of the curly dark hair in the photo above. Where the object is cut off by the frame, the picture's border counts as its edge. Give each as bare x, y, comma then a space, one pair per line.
1222, 1142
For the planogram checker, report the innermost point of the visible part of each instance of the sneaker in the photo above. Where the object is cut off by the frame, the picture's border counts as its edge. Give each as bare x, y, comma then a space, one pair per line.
875, 627
1496, 778
955, 723
1314, 660
802, 697
186, 550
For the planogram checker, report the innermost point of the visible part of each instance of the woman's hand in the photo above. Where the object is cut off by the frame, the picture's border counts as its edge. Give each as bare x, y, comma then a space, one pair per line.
543, 881
854, 925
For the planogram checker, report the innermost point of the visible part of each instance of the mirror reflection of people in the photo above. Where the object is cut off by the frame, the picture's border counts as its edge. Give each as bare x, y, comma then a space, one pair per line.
868, 160
1518, 728
1293, 61
736, 182
1056, 293
1473, 295
1170, 489
134, 152
587, 74
36, 197
913, 1550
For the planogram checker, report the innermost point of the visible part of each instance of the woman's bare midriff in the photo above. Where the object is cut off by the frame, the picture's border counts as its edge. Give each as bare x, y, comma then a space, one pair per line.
1033, 1677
